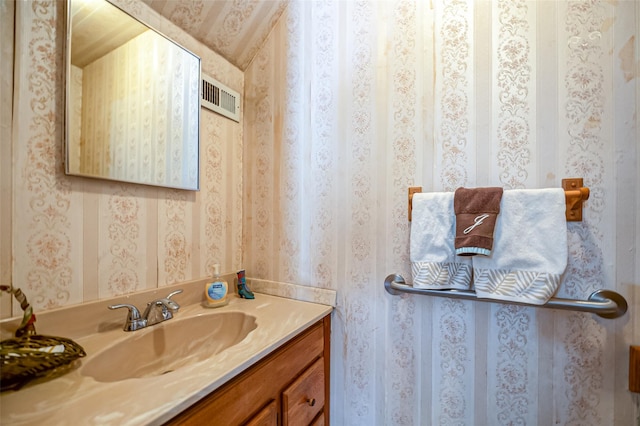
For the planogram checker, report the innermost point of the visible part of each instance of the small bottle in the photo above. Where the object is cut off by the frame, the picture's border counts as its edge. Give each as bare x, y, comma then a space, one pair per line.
215, 292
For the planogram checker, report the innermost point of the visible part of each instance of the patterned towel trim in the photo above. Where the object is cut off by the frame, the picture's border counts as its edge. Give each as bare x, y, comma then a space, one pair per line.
441, 275
529, 287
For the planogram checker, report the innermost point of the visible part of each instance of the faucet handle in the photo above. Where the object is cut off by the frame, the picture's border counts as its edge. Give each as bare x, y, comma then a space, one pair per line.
134, 320
161, 309
170, 303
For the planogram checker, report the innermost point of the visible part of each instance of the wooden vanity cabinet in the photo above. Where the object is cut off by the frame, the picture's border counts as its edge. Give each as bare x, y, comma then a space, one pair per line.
290, 387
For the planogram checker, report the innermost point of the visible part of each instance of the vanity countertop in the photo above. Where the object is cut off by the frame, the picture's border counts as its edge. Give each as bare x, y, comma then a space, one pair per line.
76, 399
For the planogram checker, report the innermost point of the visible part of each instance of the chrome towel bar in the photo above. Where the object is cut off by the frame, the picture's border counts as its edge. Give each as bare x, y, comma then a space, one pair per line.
604, 303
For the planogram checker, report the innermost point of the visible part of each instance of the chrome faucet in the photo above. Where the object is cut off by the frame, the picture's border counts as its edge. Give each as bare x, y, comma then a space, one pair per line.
161, 309
157, 311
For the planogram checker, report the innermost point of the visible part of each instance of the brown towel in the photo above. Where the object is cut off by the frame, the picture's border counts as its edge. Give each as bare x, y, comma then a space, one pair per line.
476, 212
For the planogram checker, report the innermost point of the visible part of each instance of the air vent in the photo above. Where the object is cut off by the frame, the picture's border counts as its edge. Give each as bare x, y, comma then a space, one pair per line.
219, 98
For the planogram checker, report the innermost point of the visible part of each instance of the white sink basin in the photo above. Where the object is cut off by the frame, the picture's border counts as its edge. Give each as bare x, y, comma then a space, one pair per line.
166, 347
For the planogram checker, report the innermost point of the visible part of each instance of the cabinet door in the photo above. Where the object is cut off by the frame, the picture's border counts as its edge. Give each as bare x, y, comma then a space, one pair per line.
268, 416
304, 399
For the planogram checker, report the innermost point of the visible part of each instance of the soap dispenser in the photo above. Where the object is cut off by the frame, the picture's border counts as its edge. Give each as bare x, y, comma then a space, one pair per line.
215, 292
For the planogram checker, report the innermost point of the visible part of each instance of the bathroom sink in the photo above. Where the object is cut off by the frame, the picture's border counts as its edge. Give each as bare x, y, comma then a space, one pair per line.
166, 347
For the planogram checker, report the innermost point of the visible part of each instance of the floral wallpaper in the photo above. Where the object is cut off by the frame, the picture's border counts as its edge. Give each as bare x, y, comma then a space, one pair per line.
77, 239
7, 12
350, 103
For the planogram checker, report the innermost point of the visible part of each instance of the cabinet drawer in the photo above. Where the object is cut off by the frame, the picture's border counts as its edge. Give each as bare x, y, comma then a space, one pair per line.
319, 421
304, 399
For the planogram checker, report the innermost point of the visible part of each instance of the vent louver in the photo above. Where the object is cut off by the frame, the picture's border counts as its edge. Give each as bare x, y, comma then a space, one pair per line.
219, 98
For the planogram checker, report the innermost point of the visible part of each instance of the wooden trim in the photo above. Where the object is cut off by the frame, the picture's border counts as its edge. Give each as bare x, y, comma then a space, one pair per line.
327, 367
634, 369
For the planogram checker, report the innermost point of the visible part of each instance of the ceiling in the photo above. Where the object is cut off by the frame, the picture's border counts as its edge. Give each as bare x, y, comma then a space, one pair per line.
99, 28
235, 29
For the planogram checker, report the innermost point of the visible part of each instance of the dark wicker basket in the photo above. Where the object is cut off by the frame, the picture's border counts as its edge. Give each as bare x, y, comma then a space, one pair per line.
35, 356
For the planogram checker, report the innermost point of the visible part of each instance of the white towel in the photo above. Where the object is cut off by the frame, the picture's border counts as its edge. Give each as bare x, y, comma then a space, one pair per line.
529, 249
434, 264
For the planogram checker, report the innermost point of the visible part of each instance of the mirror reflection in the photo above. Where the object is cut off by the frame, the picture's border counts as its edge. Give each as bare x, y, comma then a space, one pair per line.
132, 100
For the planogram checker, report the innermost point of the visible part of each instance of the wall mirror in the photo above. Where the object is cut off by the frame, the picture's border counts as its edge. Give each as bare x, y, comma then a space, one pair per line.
132, 105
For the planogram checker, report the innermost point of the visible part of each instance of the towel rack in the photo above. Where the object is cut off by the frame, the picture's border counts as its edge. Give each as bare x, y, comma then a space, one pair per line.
574, 194
604, 303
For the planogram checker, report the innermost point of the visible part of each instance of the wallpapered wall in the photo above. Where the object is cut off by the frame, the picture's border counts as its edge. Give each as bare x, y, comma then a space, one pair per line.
350, 103
76, 239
